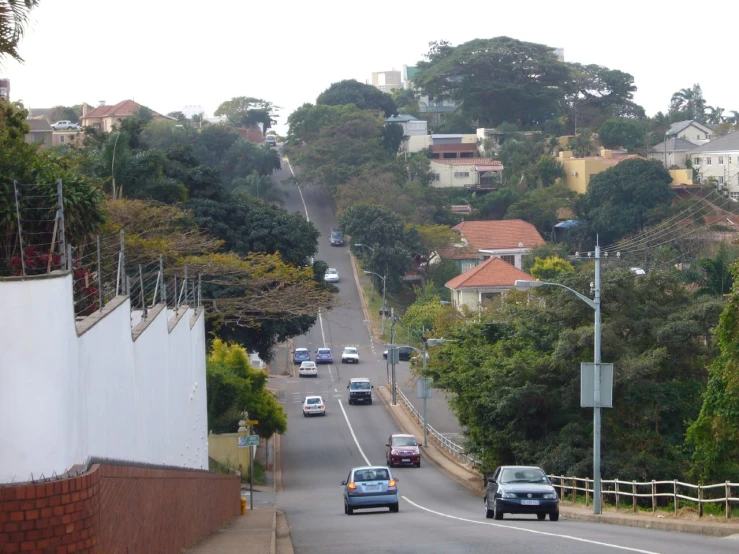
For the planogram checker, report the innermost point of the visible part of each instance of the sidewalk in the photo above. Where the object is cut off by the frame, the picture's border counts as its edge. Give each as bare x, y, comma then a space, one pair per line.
472, 480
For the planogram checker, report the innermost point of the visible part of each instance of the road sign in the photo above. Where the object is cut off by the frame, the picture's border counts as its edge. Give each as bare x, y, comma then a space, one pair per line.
424, 388
251, 422
587, 385
392, 354
245, 441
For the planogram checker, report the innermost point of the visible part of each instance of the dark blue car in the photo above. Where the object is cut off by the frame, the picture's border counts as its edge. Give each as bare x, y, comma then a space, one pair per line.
301, 355
324, 356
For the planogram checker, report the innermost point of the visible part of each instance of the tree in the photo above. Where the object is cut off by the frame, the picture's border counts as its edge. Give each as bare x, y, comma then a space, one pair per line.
622, 132
717, 276
494, 205
406, 101
258, 186
688, 103
495, 80
550, 268
619, 200
427, 313
248, 112
71, 113
213, 142
582, 144
435, 238
13, 21
234, 387
392, 137
419, 169
179, 116
549, 170
541, 207
364, 97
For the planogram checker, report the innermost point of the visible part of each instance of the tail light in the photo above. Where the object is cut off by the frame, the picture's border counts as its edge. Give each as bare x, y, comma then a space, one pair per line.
392, 483
351, 486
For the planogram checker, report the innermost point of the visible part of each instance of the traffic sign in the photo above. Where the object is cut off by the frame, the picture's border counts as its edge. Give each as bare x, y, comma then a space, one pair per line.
251, 422
424, 388
245, 441
587, 385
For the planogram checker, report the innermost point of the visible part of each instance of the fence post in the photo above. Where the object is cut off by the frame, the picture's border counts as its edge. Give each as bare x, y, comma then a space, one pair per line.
587, 491
164, 281
674, 494
66, 262
700, 501
200, 290
122, 265
143, 296
100, 277
728, 503
20, 228
574, 490
654, 498
184, 286
615, 487
633, 495
176, 298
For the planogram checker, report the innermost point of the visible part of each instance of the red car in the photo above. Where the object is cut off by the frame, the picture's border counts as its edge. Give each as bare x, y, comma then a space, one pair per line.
403, 450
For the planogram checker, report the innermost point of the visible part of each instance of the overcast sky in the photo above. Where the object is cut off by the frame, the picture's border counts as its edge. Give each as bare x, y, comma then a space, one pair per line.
167, 54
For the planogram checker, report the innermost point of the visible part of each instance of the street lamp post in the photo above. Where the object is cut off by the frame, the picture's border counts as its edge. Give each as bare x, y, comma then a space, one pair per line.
595, 304
372, 282
383, 295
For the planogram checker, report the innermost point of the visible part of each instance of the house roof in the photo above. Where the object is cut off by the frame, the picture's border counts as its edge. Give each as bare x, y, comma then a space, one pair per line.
39, 126
466, 161
121, 109
678, 126
493, 272
499, 234
726, 143
673, 145
400, 118
459, 253
38, 112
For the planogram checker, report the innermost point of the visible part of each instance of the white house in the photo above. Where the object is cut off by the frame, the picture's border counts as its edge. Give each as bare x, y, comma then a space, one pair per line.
411, 126
690, 130
719, 161
491, 279
671, 152
471, 173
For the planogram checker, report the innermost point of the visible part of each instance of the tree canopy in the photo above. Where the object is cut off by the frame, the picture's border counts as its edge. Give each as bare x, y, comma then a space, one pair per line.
247, 112
13, 22
364, 97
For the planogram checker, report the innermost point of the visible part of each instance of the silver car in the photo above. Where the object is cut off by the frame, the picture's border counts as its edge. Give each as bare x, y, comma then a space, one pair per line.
370, 487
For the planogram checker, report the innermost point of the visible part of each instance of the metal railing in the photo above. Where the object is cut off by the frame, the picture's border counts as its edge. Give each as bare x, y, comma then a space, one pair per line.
673, 491
444, 442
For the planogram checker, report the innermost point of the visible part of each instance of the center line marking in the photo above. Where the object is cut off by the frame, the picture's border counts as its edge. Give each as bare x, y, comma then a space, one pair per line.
524, 529
351, 430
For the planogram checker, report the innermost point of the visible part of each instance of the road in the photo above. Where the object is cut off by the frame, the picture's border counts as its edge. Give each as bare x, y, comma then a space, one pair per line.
437, 515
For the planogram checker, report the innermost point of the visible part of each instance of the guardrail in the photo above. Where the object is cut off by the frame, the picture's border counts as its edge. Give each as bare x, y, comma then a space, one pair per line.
673, 490
445, 443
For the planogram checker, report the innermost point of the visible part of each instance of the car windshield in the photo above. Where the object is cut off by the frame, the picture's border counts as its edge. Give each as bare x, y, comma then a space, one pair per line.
361, 386
313, 401
520, 475
336, 234
404, 441
378, 474
331, 272
324, 351
350, 350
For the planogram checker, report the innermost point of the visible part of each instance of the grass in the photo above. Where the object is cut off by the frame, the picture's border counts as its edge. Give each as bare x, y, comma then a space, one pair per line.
260, 474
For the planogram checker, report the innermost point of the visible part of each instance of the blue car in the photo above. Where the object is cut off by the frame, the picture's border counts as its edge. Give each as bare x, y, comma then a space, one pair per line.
301, 355
324, 356
370, 487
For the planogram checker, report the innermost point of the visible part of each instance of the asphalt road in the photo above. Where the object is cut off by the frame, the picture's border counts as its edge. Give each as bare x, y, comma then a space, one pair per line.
437, 515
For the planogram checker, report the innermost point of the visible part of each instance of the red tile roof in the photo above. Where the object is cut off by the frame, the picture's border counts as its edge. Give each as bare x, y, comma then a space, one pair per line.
458, 253
499, 234
466, 161
121, 109
493, 272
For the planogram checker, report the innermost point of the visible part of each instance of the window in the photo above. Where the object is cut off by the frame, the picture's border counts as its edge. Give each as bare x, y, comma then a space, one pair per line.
510, 259
696, 161
720, 179
734, 195
460, 174
449, 155
466, 266
61, 139
708, 161
467, 155
437, 177
720, 160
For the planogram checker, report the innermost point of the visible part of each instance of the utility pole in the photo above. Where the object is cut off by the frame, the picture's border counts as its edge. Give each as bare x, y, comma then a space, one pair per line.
596, 392
425, 392
393, 353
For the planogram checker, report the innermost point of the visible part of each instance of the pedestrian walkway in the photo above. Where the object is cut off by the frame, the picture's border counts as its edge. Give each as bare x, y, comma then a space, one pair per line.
253, 533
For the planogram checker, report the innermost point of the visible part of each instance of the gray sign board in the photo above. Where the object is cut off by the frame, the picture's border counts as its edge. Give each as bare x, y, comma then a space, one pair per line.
587, 385
424, 388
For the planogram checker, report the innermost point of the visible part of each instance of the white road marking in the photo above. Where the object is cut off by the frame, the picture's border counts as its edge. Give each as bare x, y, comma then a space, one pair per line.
351, 430
524, 529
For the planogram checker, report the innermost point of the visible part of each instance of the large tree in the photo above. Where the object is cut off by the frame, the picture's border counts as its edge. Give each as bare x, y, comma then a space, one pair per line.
622, 132
13, 23
619, 200
688, 103
495, 80
542, 207
364, 97
244, 111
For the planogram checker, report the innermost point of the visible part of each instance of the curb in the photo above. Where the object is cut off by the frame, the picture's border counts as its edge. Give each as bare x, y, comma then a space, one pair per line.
273, 540
362, 299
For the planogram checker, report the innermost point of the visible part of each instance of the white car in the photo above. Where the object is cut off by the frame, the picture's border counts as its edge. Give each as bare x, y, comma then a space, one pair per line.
308, 369
65, 125
350, 355
331, 276
313, 405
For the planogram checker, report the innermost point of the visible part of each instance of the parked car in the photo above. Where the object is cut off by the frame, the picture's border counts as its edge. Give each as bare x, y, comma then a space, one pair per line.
336, 237
313, 405
324, 356
370, 487
521, 490
405, 352
360, 390
308, 369
301, 355
402, 450
65, 125
350, 355
331, 276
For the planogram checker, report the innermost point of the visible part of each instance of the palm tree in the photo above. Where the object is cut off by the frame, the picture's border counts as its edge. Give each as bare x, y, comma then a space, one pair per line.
715, 115
13, 21
690, 101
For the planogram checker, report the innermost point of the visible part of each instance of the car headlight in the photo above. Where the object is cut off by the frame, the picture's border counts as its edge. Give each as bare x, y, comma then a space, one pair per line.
508, 495
550, 496
393, 451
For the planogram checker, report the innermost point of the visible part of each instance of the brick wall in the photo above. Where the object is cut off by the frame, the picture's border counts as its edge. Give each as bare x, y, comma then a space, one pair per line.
116, 509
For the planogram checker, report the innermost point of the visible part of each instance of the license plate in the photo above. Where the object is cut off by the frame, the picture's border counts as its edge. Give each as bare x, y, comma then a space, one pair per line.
373, 487
406, 459
530, 502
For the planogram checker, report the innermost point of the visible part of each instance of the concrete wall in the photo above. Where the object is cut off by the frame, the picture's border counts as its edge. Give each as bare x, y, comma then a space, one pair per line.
224, 448
65, 398
453, 175
117, 509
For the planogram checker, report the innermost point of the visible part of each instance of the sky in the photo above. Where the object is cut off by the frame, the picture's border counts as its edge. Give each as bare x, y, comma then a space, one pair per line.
167, 54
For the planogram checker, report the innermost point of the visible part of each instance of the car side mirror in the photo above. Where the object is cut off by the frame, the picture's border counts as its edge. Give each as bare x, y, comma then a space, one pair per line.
387, 444
347, 386
343, 483
372, 386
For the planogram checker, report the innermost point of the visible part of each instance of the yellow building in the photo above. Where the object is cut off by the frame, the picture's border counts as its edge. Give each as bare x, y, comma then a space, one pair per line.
579, 171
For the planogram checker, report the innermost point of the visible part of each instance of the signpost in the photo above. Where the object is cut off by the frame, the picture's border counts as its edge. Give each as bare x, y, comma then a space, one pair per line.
587, 385
250, 441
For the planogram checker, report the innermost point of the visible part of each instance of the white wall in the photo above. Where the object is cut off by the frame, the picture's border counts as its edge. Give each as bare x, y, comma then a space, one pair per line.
64, 398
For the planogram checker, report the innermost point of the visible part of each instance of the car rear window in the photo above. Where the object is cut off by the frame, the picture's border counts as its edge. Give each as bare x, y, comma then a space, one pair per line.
361, 386
350, 350
324, 351
378, 474
404, 441
314, 401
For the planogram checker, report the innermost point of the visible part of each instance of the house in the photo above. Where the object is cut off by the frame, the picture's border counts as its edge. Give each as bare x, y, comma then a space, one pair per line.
690, 130
718, 161
387, 81
67, 138
671, 152
508, 239
104, 118
464, 256
411, 125
485, 282
40, 132
427, 142
454, 151
470, 173
579, 171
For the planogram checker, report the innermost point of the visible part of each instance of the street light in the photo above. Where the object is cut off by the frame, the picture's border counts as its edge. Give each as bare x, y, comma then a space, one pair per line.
373, 263
383, 295
595, 304
425, 343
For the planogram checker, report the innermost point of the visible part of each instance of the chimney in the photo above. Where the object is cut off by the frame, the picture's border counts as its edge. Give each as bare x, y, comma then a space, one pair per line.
84, 110
102, 103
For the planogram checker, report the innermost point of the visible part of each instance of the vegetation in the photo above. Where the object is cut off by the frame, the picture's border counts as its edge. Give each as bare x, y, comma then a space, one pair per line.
13, 22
